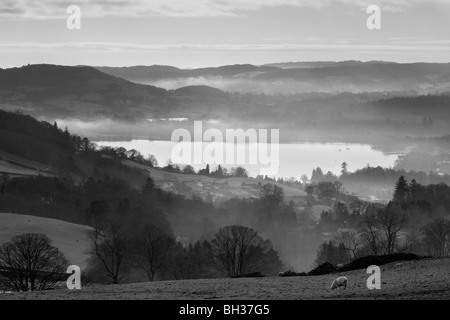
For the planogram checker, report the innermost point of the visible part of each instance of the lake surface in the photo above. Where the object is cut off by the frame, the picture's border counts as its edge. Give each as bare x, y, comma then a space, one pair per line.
294, 159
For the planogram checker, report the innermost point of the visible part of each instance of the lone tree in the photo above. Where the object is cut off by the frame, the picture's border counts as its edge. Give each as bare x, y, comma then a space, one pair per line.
271, 195
436, 237
150, 249
29, 262
401, 190
344, 168
148, 186
240, 250
382, 226
391, 221
109, 247
351, 241
371, 237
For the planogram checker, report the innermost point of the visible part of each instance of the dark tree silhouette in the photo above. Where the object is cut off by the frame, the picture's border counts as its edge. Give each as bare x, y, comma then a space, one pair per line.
30, 262
148, 186
271, 194
5, 178
331, 253
344, 168
149, 250
401, 189
109, 247
437, 237
240, 250
391, 220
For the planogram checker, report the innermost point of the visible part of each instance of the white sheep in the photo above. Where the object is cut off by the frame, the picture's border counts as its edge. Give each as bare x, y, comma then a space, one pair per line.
339, 282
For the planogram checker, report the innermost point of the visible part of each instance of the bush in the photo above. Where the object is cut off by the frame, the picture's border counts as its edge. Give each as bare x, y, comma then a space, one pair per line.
364, 262
255, 274
290, 273
324, 268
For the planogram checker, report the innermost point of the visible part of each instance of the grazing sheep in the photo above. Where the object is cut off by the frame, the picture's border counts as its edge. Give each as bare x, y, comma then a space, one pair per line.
339, 282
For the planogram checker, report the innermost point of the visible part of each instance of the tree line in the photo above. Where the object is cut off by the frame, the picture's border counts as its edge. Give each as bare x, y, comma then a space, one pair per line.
152, 254
416, 221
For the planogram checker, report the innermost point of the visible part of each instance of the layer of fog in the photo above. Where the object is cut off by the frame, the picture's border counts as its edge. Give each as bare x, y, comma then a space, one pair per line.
246, 83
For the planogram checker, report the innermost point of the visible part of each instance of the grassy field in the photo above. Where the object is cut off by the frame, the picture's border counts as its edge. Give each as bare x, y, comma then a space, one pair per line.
203, 184
19, 166
70, 238
424, 279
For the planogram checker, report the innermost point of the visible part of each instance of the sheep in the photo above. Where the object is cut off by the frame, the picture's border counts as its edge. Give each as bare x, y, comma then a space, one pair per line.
339, 282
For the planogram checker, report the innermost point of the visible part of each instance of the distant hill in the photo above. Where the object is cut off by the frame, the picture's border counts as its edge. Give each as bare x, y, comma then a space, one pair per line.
156, 72
26, 137
202, 91
62, 91
143, 72
299, 77
423, 105
59, 92
313, 64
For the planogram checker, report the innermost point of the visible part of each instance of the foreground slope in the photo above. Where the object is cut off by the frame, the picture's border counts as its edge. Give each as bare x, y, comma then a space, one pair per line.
424, 279
70, 238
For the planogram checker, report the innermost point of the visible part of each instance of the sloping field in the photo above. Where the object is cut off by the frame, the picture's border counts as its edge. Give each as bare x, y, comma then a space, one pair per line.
161, 176
423, 279
70, 238
17, 165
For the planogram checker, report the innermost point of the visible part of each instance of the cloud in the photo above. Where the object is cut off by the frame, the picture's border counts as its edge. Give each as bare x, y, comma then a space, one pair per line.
48, 9
339, 44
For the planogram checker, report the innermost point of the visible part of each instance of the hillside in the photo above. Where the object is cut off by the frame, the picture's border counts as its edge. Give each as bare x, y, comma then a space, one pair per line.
155, 72
220, 189
424, 279
70, 238
298, 77
63, 91
103, 106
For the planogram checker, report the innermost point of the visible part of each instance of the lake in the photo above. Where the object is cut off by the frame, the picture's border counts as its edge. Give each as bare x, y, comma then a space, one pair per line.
294, 159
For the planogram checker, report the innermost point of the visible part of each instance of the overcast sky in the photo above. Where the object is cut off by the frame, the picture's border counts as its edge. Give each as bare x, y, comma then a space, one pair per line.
195, 33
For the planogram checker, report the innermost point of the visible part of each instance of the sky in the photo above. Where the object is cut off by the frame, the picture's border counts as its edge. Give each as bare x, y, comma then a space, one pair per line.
199, 33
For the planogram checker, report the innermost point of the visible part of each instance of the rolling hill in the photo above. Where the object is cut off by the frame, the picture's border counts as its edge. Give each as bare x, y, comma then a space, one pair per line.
299, 77
70, 238
85, 93
220, 189
63, 91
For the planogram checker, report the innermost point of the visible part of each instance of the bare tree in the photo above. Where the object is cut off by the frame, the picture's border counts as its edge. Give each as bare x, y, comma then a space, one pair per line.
29, 262
371, 235
391, 220
437, 237
110, 248
382, 226
412, 243
149, 250
351, 241
238, 250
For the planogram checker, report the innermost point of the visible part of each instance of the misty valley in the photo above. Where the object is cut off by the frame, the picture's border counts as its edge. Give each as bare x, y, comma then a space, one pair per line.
362, 172
295, 159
